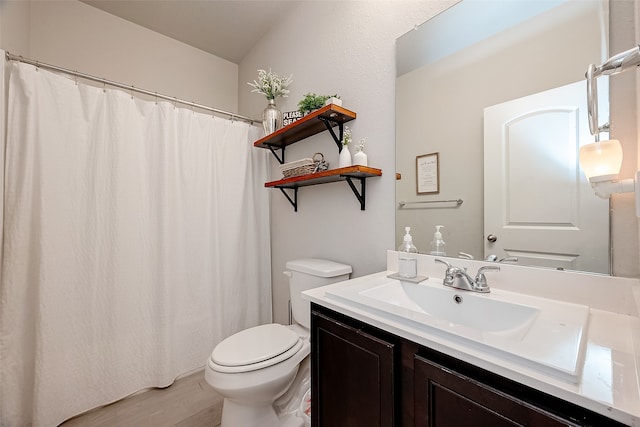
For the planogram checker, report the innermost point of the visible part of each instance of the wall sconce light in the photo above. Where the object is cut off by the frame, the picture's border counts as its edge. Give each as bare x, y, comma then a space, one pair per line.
601, 160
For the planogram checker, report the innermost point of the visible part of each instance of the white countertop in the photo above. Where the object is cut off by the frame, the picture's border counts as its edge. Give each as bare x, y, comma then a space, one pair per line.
609, 383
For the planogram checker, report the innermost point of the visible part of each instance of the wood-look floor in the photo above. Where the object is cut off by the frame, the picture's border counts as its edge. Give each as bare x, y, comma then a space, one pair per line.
188, 402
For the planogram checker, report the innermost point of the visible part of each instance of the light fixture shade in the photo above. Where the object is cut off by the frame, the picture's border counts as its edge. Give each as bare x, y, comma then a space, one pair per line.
601, 161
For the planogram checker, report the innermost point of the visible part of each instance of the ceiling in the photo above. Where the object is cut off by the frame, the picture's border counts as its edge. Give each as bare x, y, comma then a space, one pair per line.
225, 28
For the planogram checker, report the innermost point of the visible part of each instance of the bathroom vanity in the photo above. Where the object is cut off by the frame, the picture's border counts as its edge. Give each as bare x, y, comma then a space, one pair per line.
383, 356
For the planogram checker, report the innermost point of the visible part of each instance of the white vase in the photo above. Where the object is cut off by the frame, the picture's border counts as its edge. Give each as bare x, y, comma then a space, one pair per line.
344, 159
360, 158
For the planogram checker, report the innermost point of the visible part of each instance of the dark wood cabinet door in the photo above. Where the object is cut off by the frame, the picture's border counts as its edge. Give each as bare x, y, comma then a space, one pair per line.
352, 375
443, 398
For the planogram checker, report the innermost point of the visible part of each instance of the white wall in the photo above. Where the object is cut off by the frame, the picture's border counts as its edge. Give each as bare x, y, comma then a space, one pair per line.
353, 54
346, 47
76, 36
14, 26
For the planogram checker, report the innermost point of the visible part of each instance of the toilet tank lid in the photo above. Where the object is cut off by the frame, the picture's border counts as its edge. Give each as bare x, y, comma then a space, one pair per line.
318, 267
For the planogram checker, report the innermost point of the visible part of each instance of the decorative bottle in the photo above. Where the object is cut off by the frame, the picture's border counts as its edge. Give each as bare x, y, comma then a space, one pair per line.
344, 159
438, 246
407, 257
271, 118
360, 158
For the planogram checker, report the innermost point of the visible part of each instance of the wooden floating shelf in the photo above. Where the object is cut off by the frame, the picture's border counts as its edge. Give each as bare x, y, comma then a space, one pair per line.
323, 119
331, 175
348, 174
311, 124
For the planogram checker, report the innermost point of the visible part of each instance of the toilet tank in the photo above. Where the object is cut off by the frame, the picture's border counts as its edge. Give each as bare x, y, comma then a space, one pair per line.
307, 274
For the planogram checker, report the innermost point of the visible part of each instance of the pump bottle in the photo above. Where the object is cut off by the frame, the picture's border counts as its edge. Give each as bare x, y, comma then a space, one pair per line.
407, 257
438, 246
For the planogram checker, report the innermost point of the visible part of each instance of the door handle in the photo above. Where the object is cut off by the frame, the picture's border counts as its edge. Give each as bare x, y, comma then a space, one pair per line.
492, 238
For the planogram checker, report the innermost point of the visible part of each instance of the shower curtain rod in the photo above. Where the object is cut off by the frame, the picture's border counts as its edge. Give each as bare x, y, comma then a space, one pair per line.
11, 57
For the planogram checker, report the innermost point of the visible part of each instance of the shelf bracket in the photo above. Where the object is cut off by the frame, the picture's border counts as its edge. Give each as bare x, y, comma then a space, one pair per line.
294, 201
337, 138
360, 195
275, 154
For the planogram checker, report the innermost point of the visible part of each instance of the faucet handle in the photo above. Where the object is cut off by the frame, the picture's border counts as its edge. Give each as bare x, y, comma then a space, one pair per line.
481, 280
448, 275
443, 262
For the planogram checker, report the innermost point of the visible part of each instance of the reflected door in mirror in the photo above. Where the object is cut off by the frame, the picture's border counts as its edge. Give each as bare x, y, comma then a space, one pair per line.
537, 202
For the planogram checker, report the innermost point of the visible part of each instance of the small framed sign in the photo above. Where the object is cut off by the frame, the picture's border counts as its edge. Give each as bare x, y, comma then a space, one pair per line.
289, 117
428, 174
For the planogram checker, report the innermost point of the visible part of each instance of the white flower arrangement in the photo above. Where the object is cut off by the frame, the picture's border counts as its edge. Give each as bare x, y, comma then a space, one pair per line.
271, 85
346, 136
361, 145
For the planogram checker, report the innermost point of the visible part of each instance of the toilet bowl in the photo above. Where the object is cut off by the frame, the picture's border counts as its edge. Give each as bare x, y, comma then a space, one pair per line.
250, 389
254, 367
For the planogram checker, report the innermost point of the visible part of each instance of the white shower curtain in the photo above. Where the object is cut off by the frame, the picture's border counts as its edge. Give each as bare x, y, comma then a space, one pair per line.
136, 237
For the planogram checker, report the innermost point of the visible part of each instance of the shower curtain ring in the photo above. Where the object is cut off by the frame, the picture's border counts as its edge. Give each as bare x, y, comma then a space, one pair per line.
132, 89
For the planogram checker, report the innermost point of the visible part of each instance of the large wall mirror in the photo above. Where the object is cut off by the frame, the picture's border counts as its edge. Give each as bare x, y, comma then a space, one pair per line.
490, 115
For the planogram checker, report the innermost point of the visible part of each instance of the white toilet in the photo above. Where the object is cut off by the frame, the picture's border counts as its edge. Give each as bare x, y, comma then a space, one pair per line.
254, 367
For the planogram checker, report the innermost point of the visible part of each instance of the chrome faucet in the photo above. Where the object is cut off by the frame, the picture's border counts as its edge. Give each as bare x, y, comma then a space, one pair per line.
457, 277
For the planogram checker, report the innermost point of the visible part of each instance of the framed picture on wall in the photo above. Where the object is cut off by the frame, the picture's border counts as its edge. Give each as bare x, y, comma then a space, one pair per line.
428, 174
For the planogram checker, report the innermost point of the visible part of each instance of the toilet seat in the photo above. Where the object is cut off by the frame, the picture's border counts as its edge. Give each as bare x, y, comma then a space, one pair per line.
255, 348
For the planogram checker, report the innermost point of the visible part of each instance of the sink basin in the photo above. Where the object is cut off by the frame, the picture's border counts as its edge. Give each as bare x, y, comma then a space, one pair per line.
546, 335
458, 309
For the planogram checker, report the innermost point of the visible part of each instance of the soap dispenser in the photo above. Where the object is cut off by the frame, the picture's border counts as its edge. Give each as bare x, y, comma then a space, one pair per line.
407, 257
437, 244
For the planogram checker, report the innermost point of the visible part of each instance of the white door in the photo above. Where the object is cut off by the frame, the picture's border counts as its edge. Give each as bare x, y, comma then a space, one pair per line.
538, 204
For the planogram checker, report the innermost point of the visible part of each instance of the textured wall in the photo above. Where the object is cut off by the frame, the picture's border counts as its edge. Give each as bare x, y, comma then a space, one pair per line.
73, 35
346, 47
14, 26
